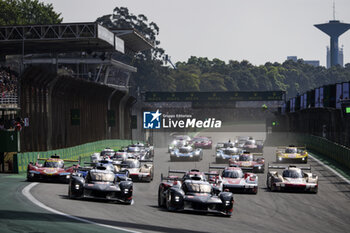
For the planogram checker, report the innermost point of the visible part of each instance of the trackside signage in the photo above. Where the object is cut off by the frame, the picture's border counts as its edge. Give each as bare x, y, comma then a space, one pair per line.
157, 120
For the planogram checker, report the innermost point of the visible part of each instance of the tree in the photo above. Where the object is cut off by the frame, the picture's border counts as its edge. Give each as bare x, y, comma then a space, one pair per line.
21, 12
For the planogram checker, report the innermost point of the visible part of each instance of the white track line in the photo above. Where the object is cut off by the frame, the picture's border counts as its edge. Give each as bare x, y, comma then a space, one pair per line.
27, 194
331, 169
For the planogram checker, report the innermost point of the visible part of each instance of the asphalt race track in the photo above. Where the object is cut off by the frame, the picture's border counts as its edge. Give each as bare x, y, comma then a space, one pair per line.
327, 211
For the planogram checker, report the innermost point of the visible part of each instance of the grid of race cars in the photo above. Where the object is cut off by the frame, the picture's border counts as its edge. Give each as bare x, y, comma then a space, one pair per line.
110, 175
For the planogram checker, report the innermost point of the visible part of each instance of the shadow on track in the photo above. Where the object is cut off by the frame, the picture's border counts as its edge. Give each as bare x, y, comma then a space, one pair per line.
33, 216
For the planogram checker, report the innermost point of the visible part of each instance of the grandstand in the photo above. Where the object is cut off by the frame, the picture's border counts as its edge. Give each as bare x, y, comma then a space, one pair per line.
71, 81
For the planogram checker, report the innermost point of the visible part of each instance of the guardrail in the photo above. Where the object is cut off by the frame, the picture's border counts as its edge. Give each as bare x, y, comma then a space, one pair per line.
323, 146
21, 160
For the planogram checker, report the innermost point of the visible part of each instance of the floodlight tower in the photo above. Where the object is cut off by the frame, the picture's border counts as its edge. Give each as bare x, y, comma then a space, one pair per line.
334, 28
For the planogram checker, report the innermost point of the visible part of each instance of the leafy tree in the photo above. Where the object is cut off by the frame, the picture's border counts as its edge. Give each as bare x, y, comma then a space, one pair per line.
20, 12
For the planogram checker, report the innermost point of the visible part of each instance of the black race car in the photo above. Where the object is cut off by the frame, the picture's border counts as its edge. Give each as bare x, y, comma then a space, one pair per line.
195, 195
101, 183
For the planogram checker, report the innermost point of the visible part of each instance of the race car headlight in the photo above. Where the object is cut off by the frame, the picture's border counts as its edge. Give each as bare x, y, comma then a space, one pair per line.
67, 176
217, 155
126, 190
177, 198
280, 158
191, 155
32, 174
77, 186
303, 158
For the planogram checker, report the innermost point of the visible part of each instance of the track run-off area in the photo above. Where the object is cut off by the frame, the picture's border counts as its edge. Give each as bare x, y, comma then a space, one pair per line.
326, 211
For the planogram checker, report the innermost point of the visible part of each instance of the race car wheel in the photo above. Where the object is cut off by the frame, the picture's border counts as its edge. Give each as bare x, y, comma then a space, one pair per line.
268, 183
30, 179
160, 198
168, 202
255, 190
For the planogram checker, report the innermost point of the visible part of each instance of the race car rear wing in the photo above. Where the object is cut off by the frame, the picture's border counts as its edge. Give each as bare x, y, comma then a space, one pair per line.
146, 161
290, 166
170, 178
284, 147
216, 167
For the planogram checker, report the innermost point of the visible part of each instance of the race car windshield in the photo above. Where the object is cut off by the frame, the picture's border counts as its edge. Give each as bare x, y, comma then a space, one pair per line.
131, 164
291, 150
184, 150
107, 153
133, 149
232, 174
292, 174
197, 188
246, 158
248, 143
120, 155
102, 176
230, 152
229, 144
53, 164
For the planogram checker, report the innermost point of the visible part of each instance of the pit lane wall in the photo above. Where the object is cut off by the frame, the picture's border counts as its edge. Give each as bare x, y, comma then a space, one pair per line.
81, 152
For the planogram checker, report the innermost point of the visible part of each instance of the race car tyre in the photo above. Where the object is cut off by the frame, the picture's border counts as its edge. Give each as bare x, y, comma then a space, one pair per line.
30, 179
268, 183
255, 190
168, 202
160, 199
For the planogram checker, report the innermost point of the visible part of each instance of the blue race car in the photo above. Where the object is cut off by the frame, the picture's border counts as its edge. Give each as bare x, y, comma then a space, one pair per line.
186, 153
223, 155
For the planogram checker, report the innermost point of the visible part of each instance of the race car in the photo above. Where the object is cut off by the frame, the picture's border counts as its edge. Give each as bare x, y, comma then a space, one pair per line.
253, 162
292, 178
53, 169
101, 183
227, 144
194, 195
291, 154
138, 171
113, 166
179, 141
186, 153
202, 142
223, 155
107, 153
234, 180
120, 155
253, 146
147, 148
189, 175
241, 140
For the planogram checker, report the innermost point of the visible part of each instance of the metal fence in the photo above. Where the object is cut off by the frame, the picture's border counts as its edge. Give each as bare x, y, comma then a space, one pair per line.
83, 152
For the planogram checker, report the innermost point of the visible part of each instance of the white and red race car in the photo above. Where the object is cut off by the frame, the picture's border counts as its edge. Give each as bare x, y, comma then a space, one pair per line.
252, 162
234, 180
292, 178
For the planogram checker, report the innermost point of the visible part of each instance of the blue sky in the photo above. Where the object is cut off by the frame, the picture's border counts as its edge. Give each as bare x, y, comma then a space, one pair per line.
255, 30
